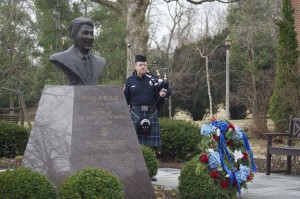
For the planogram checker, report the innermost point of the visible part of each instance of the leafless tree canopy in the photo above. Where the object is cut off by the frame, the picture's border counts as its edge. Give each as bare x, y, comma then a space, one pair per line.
204, 1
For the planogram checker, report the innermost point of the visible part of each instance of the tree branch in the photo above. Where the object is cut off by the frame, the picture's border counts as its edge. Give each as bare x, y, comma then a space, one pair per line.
204, 1
113, 5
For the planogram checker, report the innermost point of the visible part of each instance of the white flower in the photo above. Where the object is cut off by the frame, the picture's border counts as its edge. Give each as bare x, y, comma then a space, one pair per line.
237, 155
210, 150
218, 132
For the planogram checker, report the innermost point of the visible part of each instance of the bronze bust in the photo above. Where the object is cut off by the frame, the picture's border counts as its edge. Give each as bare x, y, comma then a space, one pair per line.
78, 63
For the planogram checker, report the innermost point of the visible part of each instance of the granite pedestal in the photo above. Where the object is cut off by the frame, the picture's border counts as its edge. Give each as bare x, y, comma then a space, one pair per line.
87, 126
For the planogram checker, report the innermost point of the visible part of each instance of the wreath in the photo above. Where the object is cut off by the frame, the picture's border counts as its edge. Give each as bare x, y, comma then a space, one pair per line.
225, 155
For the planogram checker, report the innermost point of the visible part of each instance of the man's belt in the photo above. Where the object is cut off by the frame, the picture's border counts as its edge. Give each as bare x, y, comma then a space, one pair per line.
142, 108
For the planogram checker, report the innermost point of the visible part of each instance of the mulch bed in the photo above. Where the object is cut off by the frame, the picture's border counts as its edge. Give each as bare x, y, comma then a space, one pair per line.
10, 163
278, 163
260, 163
161, 192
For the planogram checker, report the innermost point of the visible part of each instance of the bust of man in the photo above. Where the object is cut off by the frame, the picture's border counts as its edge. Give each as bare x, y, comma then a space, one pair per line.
78, 63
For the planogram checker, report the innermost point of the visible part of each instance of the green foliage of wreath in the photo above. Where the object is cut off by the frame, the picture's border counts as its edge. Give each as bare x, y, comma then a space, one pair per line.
225, 162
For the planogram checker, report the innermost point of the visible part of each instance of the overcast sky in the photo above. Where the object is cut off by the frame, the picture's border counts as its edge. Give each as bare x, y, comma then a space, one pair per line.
161, 22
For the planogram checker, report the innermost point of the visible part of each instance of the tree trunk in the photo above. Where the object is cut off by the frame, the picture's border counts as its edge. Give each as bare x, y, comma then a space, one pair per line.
134, 14
24, 110
137, 30
208, 88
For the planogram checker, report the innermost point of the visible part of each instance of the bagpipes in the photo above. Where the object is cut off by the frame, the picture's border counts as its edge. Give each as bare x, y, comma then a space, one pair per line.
160, 84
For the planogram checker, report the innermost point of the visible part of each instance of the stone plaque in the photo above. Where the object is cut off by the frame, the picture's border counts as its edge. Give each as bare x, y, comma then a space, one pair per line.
83, 126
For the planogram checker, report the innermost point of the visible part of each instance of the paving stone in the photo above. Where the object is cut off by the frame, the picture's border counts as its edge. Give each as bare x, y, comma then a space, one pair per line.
274, 186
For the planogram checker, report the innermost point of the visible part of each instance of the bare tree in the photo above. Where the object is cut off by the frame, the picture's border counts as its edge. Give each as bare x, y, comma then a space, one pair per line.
204, 1
208, 83
253, 58
207, 57
15, 49
178, 25
134, 14
183, 24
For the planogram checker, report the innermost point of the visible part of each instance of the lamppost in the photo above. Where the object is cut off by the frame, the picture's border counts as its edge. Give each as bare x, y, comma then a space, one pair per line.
227, 44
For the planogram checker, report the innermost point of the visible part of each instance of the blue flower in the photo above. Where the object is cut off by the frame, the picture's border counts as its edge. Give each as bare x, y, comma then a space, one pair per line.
242, 174
222, 125
207, 129
214, 160
237, 135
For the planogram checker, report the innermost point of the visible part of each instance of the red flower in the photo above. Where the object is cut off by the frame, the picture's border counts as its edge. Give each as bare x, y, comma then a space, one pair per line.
213, 119
230, 143
214, 174
245, 156
250, 177
204, 158
231, 126
224, 183
215, 137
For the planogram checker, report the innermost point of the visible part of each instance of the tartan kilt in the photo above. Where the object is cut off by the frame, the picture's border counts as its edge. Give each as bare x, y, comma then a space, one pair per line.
153, 139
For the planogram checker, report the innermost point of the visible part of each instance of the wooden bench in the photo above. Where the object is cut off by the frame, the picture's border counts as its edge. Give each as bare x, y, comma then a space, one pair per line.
10, 118
289, 150
5, 115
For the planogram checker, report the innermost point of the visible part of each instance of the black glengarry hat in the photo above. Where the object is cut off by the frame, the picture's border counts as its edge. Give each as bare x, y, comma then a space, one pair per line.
140, 58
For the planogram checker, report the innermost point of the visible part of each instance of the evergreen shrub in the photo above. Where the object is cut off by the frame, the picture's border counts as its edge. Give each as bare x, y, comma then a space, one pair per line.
13, 139
151, 160
179, 140
23, 183
284, 101
91, 183
200, 185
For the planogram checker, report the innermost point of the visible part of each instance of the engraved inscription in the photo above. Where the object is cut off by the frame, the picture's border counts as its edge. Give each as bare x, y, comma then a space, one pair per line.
98, 115
99, 98
103, 136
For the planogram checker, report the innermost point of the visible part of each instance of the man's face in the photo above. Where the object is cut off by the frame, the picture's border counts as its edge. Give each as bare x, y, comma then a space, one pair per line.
84, 38
141, 68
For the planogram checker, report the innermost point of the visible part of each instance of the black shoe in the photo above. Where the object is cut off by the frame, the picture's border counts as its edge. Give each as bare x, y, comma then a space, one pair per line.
153, 179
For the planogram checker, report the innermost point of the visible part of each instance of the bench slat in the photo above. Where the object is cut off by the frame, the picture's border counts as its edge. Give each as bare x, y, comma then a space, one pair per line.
10, 118
285, 150
288, 150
